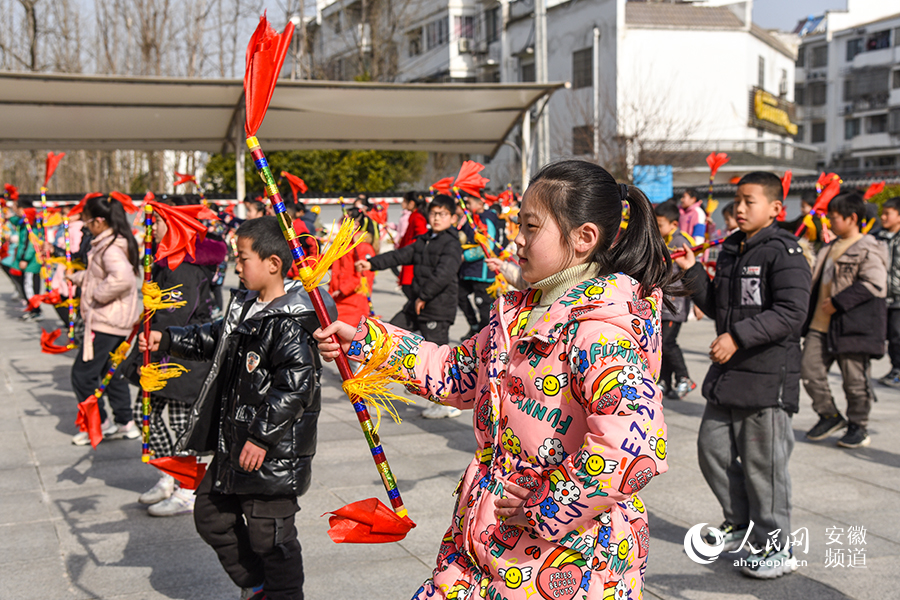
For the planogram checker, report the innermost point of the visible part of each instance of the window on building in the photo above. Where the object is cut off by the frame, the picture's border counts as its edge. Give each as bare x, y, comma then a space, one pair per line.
818, 132
879, 40
437, 33
492, 24
335, 22
761, 73
783, 83
801, 57
851, 128
583, 68
818, 92
582, 140
799, 94
894, 121
897, 36
464, 27
414, 42
895, 79
880, 161
848, 90
818, 57
854, 47
801, 134
526, 73
877, 123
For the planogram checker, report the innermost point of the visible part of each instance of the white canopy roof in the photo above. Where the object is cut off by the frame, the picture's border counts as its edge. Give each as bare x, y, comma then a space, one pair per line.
70, 112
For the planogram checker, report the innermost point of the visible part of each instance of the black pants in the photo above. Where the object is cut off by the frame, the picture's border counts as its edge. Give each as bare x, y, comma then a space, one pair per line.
483, 302
17, 281
893, 336
672, 357
86, 378
437, 332
254, 537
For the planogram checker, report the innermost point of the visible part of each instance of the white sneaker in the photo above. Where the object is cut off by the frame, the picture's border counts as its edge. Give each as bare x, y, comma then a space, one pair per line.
128, 431
107, 428
159, 492
441, 411
179, 503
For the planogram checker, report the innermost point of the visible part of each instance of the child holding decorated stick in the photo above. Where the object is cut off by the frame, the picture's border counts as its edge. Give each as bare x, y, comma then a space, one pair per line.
568, 418
257, 410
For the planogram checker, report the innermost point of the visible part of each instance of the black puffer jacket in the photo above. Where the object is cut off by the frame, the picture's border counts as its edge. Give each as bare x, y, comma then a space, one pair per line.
263, 386
760, 296
437, 257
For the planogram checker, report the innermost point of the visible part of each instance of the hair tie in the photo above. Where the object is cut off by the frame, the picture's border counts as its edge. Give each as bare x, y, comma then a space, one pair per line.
623, 191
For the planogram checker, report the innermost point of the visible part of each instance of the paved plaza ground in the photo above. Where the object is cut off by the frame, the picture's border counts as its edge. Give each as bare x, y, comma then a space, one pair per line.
71, 526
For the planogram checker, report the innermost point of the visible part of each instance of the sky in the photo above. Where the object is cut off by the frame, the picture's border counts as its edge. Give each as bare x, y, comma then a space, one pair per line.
784, 14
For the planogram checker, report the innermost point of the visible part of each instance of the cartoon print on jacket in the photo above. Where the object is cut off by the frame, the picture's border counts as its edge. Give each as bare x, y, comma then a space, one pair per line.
568, 409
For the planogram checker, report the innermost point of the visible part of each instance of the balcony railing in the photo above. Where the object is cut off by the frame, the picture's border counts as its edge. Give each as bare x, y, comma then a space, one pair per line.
752, 152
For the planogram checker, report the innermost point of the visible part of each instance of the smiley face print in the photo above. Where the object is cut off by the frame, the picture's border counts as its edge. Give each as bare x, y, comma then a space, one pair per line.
552, 384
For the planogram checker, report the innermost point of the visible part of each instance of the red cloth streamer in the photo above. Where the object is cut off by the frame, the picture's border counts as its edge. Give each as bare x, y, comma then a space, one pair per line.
80, 206
125, 199
831, 187
88, 419
367, 522
11, 191
47, 345
297, 184
874, 190
786, 182
469, 180
52, 162
715, 161
185, 469
184, 178
183, 228
442, 186
265, 55
51, 297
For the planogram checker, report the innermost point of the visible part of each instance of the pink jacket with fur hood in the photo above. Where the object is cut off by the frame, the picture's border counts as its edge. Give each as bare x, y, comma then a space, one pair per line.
110, 299
568, 409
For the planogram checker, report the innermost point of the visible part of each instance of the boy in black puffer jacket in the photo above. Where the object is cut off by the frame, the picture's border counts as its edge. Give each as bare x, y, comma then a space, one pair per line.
759, 300
436, 255
257, 411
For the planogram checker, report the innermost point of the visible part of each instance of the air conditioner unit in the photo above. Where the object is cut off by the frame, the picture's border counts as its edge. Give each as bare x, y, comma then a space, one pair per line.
464, 45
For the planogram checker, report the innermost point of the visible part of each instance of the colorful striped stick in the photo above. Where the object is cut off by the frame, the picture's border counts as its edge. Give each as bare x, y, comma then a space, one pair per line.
145, 393
343, 365
698, 248
70, 301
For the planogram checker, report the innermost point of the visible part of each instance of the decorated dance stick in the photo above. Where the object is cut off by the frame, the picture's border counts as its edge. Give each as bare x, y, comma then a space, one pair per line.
265, 56
698, 248
828, 187
148, 279
70, 300
715, 161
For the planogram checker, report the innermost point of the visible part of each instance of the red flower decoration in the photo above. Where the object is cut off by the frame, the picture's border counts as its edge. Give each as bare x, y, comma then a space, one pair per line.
715, 161
786, 182
874, 190
265, 55
80, 206
183, 228
52, 162
185, 469
297, 184
367, 522
47, 343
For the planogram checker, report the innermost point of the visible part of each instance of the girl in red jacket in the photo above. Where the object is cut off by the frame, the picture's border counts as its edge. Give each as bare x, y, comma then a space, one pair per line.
351, 290
417, 224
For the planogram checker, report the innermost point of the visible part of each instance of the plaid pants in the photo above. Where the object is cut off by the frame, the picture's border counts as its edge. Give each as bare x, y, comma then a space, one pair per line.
162, 442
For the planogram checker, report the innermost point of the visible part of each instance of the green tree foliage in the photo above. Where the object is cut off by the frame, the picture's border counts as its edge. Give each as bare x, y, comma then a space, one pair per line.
324, 171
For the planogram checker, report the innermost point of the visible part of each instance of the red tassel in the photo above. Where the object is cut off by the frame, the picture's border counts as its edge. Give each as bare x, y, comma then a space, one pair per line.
297, 184
88, 419
184, 178
52, 162
183, 229
11, 191
442, 186
831, 187
469, 180
874, 190
47, 342
185, 469
125, 199
715, 161
367, 522
80, 206
265, 55
786, 182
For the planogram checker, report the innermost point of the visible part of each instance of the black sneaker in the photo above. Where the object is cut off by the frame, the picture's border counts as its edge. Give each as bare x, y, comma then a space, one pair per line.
856, 437
825, 427
684, 387
891, 379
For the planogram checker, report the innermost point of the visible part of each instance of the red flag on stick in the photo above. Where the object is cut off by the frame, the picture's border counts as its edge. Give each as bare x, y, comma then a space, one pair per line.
297, 184
265, 55
442, 186
367, 522
80, 206
185, 469
715, 161
52, 162
183, 228
184, 178
125, 199
785, 187
469, 180
47, 342
874, 190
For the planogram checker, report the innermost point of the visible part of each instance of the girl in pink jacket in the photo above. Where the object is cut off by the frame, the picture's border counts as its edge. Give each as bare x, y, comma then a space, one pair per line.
568, 418
110, 306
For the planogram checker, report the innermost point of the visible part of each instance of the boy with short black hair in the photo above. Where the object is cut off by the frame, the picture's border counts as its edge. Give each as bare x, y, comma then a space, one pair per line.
890, 221
759, 301
257, 411
847, 322
670, 321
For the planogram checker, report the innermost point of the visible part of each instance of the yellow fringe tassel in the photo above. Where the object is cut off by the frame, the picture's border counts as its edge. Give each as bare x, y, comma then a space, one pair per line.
65, 303
155, 375
499, 286
120, 354
315, 267
156, 299
77, 265
370, 384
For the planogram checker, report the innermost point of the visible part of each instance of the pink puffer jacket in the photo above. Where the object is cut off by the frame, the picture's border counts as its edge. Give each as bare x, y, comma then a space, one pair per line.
110, 299
568, 409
